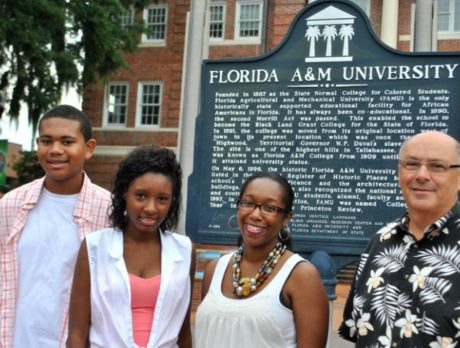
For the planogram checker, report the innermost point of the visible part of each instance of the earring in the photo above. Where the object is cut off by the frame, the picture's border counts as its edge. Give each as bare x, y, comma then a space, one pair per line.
233, 226
285, 234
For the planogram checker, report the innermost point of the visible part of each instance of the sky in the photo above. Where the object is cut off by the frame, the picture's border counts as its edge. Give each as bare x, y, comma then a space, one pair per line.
22, 134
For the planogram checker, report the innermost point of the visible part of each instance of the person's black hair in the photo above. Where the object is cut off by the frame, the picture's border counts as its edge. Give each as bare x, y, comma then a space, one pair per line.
288, 197
287, 188
69, 112
142, 160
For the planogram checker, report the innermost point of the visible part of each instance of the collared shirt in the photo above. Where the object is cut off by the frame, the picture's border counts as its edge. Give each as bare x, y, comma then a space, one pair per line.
90, 214
406, 293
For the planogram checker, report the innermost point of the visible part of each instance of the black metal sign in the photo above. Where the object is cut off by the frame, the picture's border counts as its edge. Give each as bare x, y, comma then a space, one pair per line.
328, 109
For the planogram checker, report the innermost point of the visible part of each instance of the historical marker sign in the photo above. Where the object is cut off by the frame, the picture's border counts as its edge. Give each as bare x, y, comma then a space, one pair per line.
328, 109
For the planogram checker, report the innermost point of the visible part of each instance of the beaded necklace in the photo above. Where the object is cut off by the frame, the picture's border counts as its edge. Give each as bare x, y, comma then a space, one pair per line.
243, 287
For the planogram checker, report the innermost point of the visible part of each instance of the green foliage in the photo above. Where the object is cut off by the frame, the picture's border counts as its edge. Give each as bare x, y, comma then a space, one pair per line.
49, 45
27, 167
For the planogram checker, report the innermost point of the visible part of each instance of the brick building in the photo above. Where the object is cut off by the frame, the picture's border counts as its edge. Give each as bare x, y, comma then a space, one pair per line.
141, 105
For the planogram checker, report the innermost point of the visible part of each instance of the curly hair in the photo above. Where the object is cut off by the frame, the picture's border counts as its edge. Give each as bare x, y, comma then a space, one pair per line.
146, 159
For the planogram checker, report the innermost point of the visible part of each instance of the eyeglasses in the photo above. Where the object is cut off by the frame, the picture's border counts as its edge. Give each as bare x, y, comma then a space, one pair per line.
267, 209
434, 167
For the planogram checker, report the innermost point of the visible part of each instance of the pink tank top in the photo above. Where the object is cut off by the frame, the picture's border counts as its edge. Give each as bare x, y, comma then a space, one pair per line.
144, 294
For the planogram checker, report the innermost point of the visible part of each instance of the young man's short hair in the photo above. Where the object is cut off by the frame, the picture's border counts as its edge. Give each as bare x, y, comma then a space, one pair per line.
69, 112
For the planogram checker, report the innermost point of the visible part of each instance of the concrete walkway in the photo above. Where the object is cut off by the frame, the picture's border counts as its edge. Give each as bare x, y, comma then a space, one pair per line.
337, 312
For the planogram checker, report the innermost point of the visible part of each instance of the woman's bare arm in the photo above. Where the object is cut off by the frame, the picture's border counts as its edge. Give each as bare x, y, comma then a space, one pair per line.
309, 302
80, 302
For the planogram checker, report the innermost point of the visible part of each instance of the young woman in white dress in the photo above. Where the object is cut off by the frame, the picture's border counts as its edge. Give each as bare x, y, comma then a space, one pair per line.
262, 295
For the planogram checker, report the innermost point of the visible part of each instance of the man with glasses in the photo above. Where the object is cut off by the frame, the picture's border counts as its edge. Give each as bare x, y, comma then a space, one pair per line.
406, 291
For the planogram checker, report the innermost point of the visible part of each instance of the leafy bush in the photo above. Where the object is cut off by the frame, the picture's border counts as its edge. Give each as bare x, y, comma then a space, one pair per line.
27, 167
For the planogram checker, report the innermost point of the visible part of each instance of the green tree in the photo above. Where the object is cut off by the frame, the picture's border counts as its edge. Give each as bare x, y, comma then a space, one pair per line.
27, 167
48, 46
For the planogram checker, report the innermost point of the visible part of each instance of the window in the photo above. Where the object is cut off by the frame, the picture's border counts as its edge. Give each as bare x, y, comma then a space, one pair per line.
217, 21
127, 18
149, 104
364, 4
116, 104
449, 15
155, 18
249, 19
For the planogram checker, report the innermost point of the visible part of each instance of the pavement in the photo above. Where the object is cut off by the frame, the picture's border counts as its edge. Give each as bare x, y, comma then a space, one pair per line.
335, 341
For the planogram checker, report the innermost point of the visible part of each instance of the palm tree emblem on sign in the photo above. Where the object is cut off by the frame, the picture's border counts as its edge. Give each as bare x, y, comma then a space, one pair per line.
329, 33
324, 24
346, 32
312, 34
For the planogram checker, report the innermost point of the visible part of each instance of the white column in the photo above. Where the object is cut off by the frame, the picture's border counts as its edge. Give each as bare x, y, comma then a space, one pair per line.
423, 25
195, 51
390, 10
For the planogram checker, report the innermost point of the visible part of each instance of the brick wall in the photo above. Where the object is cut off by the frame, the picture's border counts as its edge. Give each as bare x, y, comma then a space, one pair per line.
165, 64
404, 16
280, 16
99, 167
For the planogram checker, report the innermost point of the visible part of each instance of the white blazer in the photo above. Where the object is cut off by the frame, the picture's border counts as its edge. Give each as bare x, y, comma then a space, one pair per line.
111, 320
